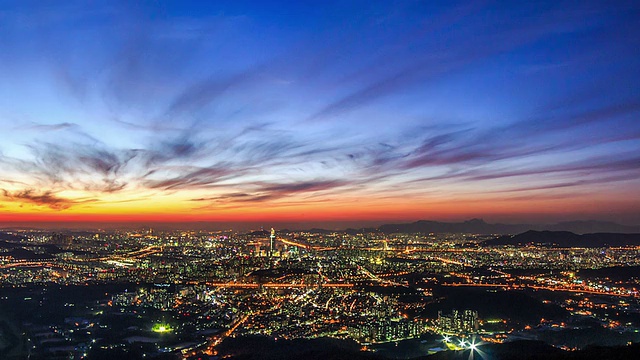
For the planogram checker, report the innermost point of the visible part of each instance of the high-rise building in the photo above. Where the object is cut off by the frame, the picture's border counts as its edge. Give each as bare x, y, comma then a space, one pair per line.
458, 321
272, 240
61, 239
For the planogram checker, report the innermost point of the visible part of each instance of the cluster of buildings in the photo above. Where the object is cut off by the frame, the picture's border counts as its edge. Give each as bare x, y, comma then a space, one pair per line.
458, 322
385, 329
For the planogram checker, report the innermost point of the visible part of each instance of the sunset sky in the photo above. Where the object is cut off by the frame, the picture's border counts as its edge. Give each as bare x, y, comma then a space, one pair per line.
231, 111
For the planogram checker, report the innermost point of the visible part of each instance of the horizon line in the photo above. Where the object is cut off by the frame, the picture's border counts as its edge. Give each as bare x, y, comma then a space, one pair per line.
253, 224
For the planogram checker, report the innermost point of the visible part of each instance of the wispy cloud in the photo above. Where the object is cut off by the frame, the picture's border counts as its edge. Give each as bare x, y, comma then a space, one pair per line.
585, 166
269, 192
76, 166
204, 92
181, 148
452, 53
198, 178
46, 198
472, 147
49, 127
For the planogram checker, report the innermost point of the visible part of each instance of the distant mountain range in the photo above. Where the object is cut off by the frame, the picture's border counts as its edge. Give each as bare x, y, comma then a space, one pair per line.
479, 226
566, 239
473, 226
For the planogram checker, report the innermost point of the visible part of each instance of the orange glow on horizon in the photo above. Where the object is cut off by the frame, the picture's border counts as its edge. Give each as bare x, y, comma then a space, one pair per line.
346, 209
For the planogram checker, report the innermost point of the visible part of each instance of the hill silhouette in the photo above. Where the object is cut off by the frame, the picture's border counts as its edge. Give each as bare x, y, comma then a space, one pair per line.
566, 239
479, 226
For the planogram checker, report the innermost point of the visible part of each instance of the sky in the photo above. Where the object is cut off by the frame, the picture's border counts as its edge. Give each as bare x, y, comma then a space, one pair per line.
328, 111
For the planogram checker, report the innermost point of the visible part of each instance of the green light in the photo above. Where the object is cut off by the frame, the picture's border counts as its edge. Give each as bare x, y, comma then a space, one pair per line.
161, 328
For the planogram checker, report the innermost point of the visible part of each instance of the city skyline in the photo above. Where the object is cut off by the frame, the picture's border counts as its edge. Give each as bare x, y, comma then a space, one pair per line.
353, 112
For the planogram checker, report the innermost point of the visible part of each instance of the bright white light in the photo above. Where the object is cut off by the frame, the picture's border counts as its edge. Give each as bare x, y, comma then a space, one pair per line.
472, 346
446, 338
462, 342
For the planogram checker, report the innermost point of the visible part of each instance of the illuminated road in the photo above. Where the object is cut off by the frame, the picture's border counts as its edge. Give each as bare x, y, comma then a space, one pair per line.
28, 264
374, 277
227, 333
449, 261
216, 340
293, 243
582, 291
276, 285
137, 254
561, 289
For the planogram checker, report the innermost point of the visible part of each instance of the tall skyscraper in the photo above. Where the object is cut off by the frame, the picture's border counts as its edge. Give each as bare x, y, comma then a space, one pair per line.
272, 239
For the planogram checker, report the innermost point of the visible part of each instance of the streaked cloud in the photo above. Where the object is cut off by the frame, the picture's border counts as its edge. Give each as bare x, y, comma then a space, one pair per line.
46, 198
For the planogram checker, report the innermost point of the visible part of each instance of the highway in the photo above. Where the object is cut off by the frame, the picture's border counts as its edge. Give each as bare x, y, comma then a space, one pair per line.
562, 289
136, 254
275, 285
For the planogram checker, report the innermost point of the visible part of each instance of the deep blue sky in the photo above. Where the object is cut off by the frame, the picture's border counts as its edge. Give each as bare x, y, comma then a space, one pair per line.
512, 111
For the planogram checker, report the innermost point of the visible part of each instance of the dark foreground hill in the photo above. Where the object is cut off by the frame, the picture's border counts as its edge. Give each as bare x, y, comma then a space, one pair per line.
262, 348
566, 239
537, 350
